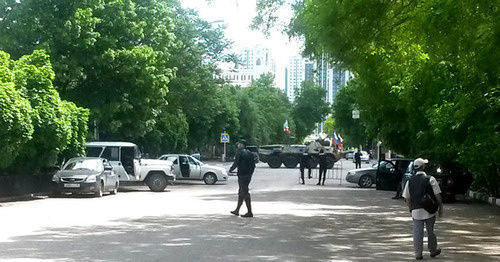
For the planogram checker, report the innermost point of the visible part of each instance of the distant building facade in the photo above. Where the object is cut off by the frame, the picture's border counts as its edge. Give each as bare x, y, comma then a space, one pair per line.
253, 62
299, 69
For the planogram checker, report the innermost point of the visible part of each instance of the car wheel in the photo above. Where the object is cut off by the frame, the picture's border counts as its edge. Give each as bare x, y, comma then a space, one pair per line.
115, 190
99, 190
274, 162
290, 162
210, 178
365, 181
157, 182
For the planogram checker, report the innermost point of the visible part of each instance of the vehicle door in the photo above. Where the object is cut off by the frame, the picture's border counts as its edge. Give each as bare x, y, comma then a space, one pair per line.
110, 175
184, 166
194, 168
112, 154
176, 166
126, 164
387, 176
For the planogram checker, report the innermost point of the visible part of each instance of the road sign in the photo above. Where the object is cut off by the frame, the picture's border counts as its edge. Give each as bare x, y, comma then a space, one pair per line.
224, 138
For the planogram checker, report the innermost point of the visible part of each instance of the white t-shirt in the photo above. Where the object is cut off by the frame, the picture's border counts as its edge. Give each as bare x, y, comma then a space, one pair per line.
420, 213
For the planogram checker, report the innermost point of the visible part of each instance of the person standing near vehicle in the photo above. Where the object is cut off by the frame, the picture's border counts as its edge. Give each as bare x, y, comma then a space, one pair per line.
357, 158
416, 188
322, 166
304, 163
245, 163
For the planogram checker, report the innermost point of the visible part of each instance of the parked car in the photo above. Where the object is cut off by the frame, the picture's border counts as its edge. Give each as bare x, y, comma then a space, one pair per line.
390, 173
349, 154
364, 177
365, 157
131, 168
453, 178
186, 167
86, 175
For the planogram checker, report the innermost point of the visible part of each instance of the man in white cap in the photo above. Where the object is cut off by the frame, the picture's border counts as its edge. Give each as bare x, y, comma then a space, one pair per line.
416, 188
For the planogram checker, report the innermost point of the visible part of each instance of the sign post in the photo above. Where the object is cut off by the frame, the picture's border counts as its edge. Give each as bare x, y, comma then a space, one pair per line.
224, 138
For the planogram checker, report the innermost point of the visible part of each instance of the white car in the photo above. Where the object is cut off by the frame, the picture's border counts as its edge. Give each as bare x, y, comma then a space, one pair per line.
365, 157
189, 168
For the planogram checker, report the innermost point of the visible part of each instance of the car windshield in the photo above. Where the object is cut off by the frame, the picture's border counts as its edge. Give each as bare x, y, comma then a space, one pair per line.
84, 164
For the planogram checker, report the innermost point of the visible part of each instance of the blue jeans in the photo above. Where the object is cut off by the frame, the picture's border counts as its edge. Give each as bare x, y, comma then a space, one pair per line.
418, 235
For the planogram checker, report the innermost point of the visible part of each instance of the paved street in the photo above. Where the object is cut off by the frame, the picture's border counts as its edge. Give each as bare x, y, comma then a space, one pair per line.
191, 222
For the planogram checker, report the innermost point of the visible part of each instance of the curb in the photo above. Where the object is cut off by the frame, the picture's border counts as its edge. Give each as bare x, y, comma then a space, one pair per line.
484, 198
22, 197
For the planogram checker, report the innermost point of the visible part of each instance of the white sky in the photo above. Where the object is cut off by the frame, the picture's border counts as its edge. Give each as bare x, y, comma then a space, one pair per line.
237, 16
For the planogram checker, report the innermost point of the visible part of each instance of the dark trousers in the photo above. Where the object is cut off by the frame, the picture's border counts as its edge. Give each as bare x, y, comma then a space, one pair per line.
243, 192
358, 164
322, 172
302, 173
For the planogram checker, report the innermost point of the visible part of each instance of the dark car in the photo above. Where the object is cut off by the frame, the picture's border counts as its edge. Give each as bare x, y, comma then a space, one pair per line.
453, 178
86, 175
390, 172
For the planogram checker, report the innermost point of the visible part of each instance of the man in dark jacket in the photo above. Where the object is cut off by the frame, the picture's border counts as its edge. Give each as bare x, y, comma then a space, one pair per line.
245, 163
357, 158
323, 163
416, 188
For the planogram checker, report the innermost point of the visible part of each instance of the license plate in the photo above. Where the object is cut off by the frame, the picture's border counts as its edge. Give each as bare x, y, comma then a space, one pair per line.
72, 185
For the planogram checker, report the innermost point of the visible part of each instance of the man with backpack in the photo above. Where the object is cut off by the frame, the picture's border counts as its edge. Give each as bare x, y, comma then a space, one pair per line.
245, 163
423, 197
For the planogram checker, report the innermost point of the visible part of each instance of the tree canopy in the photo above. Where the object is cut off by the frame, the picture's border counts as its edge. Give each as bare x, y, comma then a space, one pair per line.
427, 73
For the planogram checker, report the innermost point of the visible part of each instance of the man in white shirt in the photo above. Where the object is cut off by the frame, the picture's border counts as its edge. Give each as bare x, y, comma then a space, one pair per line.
416, 188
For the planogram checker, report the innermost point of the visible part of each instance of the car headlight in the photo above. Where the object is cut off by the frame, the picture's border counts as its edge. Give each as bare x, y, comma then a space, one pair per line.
55, 178
91, 179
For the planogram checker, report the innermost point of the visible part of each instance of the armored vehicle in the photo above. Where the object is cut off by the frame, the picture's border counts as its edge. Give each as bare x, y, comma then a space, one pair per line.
289, 155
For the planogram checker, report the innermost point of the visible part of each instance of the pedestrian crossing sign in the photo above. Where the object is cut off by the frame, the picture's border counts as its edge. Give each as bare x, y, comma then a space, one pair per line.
224, 138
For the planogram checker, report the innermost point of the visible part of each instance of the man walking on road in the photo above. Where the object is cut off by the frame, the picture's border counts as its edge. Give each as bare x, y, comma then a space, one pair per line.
416, 188
245, 163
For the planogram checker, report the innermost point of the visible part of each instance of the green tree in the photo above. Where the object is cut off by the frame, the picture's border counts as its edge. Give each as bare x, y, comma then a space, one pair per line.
309, 108
109, 56
50, 126
273, 110
427, 73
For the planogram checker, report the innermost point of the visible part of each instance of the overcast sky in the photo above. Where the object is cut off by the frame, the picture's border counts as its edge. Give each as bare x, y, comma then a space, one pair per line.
237, 15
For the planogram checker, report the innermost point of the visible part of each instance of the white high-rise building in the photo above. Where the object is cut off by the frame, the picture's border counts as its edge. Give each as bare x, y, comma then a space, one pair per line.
299, 69
331, 78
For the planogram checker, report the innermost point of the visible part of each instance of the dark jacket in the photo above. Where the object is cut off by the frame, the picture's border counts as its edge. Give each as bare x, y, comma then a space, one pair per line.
357, 156
245, 163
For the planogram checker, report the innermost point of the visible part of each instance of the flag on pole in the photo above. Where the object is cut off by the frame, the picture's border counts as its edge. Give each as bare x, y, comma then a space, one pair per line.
340, 142
334, 138
285, 127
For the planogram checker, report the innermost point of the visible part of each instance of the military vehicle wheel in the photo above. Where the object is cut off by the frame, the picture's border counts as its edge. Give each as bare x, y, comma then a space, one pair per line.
274, 162
330, 162
290, 162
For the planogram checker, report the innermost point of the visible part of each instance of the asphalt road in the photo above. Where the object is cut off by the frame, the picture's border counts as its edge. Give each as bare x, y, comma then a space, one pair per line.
190, 221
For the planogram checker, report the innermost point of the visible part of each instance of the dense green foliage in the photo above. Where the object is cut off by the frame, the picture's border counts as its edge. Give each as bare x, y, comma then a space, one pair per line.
309, 108
145, 69
36, 125
427, 74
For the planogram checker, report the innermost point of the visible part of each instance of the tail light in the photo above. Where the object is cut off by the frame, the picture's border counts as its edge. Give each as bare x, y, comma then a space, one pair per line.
449, 182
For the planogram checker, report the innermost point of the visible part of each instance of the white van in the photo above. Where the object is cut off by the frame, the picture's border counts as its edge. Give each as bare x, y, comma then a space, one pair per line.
125, 157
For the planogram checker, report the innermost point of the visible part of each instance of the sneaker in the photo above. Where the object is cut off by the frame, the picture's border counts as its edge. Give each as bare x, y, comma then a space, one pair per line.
247, 215
436, 253
236, 213
419, 257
